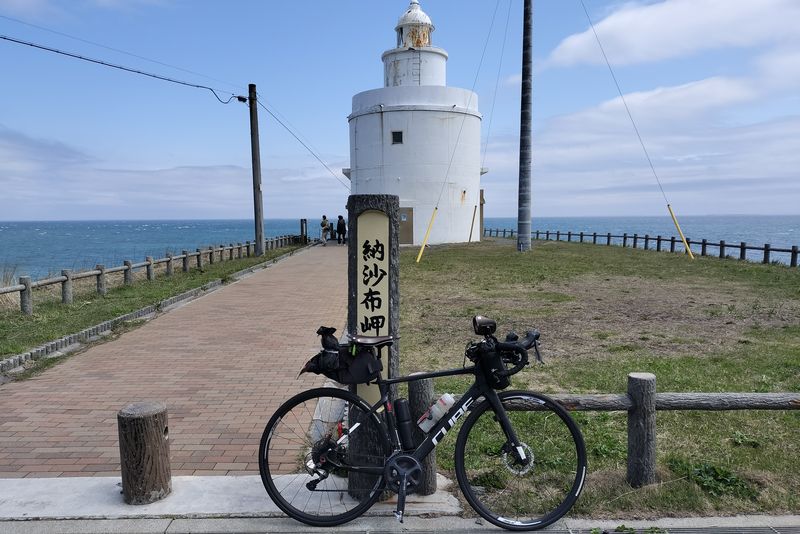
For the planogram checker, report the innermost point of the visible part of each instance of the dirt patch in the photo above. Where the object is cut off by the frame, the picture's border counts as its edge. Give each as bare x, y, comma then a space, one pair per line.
629, 314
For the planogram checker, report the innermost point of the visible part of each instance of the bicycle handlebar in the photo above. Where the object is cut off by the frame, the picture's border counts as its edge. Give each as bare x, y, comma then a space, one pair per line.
520, 348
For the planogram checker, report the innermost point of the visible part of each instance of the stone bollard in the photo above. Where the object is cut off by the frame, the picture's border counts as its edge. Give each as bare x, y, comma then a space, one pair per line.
185, 260
127, 275
144, 452
642, 429
101, 280
66, 287
150, 272
26, 296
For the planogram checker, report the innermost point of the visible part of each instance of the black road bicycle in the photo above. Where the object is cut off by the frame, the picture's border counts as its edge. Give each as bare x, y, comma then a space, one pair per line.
326, 456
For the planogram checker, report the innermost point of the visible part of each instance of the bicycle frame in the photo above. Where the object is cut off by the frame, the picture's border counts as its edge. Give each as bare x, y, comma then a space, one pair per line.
479, 389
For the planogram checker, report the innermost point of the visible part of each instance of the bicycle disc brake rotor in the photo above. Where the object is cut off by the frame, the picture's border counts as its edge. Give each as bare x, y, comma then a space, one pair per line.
515, 468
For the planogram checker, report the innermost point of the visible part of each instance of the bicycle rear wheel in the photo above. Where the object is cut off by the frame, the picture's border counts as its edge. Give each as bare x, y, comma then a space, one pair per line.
514, 496
307, 448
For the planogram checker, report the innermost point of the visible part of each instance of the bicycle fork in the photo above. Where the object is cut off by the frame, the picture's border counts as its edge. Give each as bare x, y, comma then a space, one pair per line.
512, 446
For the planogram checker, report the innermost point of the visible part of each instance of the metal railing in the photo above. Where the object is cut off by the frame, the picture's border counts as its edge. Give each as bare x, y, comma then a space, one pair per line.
657, 243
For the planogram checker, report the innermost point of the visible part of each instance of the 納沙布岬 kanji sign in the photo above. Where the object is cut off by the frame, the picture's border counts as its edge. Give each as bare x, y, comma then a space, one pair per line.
372, 273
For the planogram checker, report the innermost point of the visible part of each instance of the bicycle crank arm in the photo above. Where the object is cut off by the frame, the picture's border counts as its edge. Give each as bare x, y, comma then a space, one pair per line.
401, 499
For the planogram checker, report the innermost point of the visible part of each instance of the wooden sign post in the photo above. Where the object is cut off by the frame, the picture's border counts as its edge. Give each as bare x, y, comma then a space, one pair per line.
373, 307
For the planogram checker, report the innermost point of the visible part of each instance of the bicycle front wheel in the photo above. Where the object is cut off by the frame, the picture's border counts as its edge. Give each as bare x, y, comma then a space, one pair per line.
521, 495
308, 449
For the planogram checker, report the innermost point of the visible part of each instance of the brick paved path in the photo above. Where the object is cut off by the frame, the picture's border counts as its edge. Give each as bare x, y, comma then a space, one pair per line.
222, 363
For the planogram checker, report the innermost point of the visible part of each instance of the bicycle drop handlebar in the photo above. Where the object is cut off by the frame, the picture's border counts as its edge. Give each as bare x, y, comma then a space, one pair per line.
520, 348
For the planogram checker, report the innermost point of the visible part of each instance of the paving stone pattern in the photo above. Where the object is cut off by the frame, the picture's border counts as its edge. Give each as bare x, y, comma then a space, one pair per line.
222, 363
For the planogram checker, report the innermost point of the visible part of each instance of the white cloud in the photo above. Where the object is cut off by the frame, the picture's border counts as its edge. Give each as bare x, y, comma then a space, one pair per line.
642, 33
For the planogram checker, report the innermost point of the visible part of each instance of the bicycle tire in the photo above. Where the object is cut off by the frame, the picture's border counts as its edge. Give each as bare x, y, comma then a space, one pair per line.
516, 497
305, 429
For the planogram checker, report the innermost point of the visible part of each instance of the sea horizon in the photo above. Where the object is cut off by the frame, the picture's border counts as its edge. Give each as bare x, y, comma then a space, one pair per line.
42, 248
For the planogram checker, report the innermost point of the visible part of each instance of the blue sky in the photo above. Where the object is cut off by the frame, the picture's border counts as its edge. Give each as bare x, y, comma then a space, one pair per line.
714, 86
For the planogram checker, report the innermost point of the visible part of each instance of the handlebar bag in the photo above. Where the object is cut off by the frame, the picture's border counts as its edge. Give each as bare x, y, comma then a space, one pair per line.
492, 363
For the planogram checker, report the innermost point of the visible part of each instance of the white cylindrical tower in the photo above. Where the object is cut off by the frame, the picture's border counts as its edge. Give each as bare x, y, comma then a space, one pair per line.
419, 139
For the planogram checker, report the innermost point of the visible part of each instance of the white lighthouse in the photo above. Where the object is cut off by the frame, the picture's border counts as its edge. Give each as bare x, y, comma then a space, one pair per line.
419, 139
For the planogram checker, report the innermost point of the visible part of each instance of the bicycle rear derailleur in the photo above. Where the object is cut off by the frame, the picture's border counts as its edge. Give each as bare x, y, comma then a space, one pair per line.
403, 473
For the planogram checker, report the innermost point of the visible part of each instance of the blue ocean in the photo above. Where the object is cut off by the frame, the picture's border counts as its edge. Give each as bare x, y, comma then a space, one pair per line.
39, 249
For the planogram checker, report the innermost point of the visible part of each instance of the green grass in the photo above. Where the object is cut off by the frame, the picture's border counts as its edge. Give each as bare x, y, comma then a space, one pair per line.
699, 326
52, 320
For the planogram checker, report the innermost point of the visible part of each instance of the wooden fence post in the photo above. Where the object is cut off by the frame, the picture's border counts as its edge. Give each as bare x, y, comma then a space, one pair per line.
26, 296
672, 244
743, 251
594, 238
658, 244
608, 239
793, 260
101, 280
66, 287
420, 398
150, 272
558, 235
635, 240
722, 249
127, 274
169, 264
569, 237
766, 252
211, 255
642, 429
199, 260
625, 240
185, 261
144, 452
581, 237
703, 247
647, 241
231, 252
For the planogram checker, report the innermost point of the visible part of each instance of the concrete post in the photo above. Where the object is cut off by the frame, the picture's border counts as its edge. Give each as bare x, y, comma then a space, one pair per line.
150, 272
26, 296
66, 287
101, 280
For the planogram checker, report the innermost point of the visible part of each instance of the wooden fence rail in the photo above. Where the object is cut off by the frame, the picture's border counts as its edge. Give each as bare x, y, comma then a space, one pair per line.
26, 286
642, 402
646, 242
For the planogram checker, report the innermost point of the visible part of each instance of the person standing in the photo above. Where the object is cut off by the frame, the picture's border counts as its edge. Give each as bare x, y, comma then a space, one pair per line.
341, 230
326, 227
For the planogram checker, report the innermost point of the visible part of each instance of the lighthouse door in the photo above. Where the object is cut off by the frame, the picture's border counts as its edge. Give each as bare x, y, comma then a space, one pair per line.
406, 226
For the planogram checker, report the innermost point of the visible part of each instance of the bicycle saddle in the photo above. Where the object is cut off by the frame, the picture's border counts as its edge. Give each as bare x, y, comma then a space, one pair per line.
373, 341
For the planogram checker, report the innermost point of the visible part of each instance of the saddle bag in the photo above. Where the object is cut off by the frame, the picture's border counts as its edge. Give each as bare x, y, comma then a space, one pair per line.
344, 363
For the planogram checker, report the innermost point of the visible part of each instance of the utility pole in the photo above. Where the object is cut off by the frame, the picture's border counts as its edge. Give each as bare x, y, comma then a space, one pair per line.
254, 148
526, 111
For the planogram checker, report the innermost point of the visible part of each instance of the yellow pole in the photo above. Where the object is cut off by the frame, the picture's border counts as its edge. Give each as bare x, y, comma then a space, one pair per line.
472, 225
678, 226
427, 234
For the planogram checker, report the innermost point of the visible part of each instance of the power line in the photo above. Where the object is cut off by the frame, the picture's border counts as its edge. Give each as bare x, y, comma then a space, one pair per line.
496, 84
119, 51
120, 67
304, 144
469, 102
624, 102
